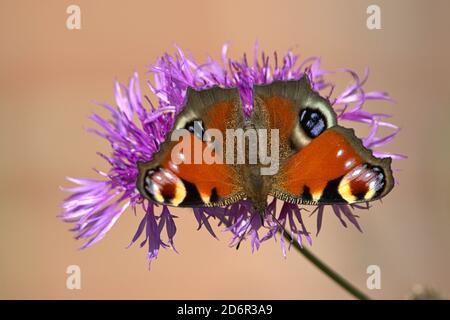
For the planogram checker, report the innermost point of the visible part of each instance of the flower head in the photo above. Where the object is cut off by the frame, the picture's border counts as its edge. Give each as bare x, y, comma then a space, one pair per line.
137, 128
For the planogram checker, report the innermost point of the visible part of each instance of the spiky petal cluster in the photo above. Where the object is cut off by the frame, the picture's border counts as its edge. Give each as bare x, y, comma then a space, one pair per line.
137, 128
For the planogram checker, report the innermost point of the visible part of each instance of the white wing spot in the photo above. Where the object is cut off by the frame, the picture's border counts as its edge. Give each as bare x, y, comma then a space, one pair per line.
349, 163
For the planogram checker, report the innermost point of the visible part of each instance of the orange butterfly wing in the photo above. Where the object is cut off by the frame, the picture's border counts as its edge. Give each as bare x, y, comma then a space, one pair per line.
320, 162
169, 179
333, 168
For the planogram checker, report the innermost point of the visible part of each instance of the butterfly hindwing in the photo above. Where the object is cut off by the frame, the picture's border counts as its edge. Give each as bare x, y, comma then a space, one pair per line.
320, 162
170, 179
298, 112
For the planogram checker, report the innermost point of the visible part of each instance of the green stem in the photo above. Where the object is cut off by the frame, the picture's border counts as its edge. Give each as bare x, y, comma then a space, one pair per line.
347, 286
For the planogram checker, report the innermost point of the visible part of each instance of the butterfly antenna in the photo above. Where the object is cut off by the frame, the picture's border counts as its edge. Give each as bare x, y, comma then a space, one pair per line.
277, 221
241, 237
262, 214
245, 232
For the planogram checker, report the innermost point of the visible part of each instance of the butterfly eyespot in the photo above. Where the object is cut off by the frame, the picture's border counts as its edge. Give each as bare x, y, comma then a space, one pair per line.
313, 122
365, 182
164, 187
148, 183
196, 128
379, 179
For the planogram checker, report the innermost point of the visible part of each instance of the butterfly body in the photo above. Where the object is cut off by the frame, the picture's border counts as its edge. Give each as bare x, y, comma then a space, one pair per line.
290, 147
256, 186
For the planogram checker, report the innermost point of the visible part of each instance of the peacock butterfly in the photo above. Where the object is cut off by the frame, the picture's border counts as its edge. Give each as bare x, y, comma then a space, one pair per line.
320, 162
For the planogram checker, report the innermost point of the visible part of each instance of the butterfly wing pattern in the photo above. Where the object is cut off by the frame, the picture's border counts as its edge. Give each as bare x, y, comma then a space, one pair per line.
320, 162
169, 179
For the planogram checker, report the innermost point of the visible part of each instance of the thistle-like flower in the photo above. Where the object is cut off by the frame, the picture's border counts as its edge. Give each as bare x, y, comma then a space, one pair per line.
137, 128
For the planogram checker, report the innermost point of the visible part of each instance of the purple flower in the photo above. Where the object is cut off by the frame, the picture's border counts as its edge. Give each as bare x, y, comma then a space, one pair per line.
137, 128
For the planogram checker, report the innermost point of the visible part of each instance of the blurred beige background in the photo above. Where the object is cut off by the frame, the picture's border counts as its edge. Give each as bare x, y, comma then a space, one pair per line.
50, 75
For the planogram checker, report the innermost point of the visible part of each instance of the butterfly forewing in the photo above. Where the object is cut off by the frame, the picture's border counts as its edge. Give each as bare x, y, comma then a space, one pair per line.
319, 161
179, 176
